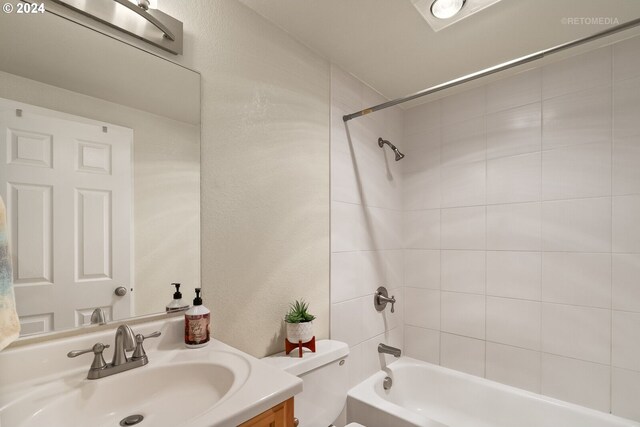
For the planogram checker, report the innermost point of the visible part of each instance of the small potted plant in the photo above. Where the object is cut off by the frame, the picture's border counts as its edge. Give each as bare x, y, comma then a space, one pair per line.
299, 322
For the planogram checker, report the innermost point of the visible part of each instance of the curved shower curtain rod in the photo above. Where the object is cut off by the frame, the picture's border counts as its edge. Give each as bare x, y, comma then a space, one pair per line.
494, 69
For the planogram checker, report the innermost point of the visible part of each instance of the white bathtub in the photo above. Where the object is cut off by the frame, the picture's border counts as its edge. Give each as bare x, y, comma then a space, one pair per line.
426, 395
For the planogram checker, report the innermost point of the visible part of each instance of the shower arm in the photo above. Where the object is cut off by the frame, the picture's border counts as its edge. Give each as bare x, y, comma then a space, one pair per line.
381, 143
495, 69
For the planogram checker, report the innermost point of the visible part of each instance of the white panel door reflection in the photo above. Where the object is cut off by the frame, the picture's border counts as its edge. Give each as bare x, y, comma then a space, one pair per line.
67, 184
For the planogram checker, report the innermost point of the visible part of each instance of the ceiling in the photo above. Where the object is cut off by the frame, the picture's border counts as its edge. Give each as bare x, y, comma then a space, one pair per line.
388, 45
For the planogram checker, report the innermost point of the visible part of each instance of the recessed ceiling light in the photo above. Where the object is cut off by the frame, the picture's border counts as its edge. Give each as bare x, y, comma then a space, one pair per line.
445, 9
429, 9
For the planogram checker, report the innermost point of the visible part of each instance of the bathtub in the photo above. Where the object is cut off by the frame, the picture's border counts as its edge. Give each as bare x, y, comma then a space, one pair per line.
426, 395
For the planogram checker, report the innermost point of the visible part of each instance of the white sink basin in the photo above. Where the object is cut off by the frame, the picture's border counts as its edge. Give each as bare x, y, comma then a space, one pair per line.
213, 386
168, 394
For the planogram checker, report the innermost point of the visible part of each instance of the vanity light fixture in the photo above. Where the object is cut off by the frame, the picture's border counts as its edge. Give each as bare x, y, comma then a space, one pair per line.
445, 9
152, 25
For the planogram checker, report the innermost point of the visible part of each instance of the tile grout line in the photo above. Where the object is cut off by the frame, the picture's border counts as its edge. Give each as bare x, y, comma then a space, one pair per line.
486, 184
542, 102
527, 202
519, 347
611, 164
331, 202
564, 304
440, 233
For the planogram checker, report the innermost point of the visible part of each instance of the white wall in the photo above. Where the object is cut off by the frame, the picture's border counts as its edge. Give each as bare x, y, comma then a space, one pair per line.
366, 224
265, 171
522, 259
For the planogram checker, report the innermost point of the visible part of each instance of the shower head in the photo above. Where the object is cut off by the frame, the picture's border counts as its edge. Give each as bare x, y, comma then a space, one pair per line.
399, 155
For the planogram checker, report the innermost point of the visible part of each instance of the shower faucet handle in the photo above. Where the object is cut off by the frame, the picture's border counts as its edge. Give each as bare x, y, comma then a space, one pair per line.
392, 300
381, 299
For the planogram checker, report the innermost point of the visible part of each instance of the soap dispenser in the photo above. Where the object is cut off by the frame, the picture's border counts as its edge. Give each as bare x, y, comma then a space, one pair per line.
196, 324
177, 304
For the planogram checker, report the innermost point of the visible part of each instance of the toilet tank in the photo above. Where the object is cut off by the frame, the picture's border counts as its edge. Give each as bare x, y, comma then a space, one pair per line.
325, 381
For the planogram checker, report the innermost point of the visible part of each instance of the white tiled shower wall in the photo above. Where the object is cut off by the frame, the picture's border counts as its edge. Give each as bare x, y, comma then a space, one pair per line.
519, 204
522, 230
366, 224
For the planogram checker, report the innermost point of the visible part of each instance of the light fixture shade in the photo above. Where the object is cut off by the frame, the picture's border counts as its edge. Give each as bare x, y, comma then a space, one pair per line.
468, 8
445, 9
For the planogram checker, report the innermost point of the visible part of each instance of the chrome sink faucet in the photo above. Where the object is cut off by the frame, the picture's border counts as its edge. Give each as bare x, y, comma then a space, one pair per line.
125, 341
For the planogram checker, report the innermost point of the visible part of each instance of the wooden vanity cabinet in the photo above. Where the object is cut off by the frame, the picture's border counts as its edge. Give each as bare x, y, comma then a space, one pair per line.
279, 416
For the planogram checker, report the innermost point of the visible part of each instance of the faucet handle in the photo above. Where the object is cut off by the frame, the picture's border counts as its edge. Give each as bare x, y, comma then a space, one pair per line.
386, 299
155, 334
97, 349
381, 298
139, 352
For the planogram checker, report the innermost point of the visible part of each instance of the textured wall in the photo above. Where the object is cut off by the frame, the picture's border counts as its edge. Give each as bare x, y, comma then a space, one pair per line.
265, 171
521, 233
166, 187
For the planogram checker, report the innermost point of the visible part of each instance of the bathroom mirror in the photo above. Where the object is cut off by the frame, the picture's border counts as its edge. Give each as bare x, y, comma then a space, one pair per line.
100, 171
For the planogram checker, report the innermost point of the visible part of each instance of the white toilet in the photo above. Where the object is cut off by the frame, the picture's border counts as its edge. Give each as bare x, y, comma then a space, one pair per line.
325, 382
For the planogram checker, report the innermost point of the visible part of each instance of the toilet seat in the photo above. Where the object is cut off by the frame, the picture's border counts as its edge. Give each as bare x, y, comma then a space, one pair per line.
354, 425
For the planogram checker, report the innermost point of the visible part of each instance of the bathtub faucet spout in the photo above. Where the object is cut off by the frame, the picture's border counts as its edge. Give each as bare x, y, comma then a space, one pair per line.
387, 349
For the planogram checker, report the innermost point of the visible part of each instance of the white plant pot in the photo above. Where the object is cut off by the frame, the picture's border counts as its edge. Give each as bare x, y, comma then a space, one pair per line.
299, 332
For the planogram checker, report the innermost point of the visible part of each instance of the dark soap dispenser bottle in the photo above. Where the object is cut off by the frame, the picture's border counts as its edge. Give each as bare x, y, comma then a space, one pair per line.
196, 324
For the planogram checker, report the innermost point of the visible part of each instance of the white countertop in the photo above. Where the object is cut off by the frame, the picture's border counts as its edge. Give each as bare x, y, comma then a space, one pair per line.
28, 372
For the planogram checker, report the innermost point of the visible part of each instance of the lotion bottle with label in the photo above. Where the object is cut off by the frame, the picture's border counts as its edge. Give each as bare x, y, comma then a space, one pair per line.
196, 324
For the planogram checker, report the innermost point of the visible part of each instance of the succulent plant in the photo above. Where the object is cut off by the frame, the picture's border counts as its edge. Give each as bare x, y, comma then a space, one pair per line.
298, 313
